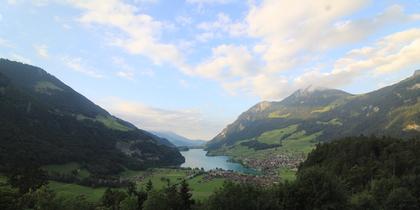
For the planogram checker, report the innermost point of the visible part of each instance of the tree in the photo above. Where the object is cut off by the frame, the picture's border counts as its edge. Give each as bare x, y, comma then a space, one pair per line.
319, 189
149, 186
241, 196
184, 192
129, 203
156, 200
27, 178
401, 199
172, 197
364, 201
139, 195
141, 198
8, 198
40, 199
75, 202
113, 198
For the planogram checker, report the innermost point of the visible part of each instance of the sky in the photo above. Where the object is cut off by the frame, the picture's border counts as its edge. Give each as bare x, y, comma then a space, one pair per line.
192, 66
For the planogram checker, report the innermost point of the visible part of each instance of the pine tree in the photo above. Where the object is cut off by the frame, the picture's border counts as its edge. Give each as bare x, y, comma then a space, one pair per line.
185, 194
149, 186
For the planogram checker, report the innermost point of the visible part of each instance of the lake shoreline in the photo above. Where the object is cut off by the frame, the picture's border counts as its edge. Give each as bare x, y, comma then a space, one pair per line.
199, 158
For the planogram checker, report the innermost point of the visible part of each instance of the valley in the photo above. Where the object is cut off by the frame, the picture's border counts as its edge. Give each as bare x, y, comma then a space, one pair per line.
79, 151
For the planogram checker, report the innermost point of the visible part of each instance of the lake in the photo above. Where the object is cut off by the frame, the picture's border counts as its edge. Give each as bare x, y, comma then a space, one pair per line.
196, 158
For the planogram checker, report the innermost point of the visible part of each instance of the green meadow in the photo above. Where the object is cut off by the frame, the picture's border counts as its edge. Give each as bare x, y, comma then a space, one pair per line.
201, 188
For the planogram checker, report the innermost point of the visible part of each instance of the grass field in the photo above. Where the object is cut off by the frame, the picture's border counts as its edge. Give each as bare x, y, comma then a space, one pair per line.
73, 190
297, 142
159, 175
274, 136
287, 174
201, 189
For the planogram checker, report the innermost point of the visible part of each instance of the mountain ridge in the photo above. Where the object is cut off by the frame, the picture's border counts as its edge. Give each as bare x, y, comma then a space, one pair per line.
45, 120
328, 114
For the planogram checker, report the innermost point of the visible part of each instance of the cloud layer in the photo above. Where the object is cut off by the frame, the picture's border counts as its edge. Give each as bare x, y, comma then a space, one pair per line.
190, 123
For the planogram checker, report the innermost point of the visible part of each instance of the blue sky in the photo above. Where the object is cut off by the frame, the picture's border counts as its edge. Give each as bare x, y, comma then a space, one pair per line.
192, 66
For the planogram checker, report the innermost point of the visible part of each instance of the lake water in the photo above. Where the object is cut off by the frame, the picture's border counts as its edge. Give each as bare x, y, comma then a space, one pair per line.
196, 158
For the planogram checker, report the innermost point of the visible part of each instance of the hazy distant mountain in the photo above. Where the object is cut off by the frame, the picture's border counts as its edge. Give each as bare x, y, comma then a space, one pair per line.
44, 120
178, 140
325, 114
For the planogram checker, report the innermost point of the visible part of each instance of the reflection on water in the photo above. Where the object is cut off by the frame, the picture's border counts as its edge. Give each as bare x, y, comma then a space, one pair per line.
196, 158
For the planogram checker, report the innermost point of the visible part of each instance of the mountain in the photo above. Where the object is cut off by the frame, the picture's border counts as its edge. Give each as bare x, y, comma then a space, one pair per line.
45, 121
312, 115
178, 140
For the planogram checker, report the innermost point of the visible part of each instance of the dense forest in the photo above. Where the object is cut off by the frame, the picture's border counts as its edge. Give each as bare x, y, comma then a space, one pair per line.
352, 173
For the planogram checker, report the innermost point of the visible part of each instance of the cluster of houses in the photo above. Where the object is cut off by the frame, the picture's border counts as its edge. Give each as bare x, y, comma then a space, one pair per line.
272, 163
261, 180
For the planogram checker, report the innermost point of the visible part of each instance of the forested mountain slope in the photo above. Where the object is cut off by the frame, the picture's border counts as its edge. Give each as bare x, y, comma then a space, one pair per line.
44, 121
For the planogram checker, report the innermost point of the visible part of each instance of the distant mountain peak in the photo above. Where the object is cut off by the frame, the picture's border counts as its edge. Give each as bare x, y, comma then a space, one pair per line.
310, 89
314, 94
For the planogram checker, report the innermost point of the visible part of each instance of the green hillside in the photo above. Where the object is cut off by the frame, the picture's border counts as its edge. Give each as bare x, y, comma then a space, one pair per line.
293, 126
43, 122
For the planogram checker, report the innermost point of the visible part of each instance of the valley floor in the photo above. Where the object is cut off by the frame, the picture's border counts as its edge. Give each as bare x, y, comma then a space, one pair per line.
201, 186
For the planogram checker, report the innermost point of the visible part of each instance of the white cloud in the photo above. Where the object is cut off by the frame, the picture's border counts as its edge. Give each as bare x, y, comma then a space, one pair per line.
187, 122
20, 58
394, 53
227, 62
293, 31
126, 71
42, 50
220, 28
77, 64
126, 74
236, 69
140, 32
